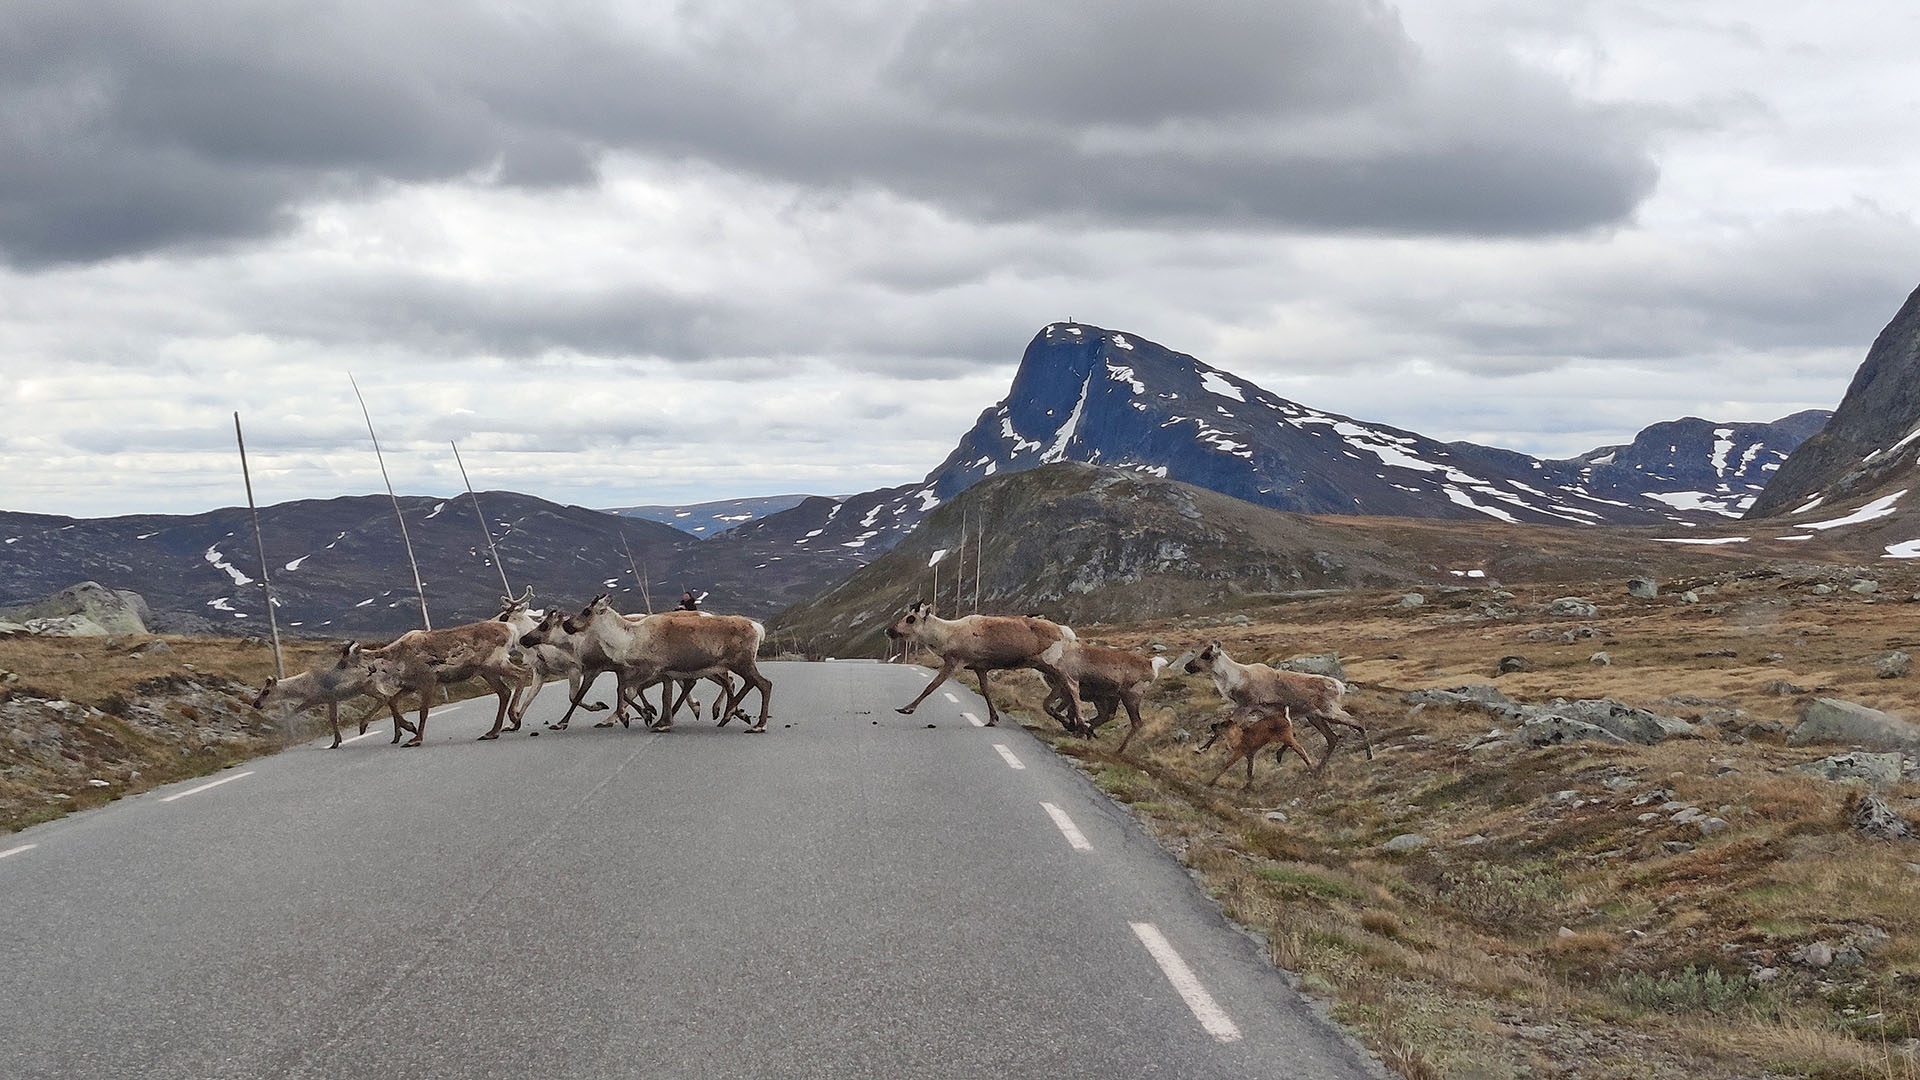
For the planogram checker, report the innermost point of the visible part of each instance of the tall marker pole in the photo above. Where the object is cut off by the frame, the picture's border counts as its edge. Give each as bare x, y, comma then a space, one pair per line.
646, 594
485, 529
266, 583
419, 590
979, 549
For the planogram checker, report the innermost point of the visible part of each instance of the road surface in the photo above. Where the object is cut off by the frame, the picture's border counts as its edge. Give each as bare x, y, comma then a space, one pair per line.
833, 898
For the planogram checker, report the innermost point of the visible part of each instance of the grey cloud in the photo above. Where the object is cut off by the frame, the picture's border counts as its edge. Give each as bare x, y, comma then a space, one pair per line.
133, 127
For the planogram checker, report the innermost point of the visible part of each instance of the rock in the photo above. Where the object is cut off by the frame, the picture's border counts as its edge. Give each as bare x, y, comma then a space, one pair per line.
1875, 769
1623, 720
1573, 607
1567, 795
97, 782
1239, 620
1711, 825
1644, 588
1893, 665
1579, 633
1817, 955
1712, 654
93, 603
66, 626
1831, 720
1480, 694
1780, 688
1689, 597
151, 647
1405, 842
1565, 932
1864, 587
1822, 590
1510, 664
1276, 815
1871, 816
1766, 974
1689, 815
1412, 600
1327, 664
1600, 658
1554, 730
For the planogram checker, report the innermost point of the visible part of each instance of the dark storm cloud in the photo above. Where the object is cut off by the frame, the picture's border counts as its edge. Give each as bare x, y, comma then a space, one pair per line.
134, 127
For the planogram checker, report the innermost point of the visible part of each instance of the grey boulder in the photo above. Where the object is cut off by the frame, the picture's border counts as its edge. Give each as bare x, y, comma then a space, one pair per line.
1833, 721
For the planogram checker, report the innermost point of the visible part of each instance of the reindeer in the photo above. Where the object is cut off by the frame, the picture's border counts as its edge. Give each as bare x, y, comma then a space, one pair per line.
672, 646
1107, 677
564, 638
1315, 698
1250, 729
983, 643
421, 661
346, 677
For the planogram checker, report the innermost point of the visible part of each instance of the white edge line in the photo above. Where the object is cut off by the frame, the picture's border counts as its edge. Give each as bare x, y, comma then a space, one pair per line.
974, 720
357, 738
203, 787
1007, 755
1076, 839
17, 850
949, 697
1205, 1009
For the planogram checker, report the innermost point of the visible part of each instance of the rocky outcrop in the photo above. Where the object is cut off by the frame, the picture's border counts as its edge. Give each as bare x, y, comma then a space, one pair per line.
1877, 769
87, 609
1832, 721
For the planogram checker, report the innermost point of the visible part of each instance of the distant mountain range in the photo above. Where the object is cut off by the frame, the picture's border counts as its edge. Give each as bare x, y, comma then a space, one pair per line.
338, 566
712, 518
1087, 394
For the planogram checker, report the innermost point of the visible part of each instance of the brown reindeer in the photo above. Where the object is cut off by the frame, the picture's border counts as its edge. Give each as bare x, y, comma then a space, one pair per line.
1248, 731
331, 682
670, 646
1314, 698
983, 643
421, 661
1109, 678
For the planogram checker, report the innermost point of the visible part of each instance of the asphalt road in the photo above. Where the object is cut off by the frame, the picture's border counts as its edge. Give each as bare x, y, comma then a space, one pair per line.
833, 898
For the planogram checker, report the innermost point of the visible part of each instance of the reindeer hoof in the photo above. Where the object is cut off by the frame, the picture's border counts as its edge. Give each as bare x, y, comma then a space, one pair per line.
488, 737
906, 710
415, 741
335, 746
604, 723
597, 706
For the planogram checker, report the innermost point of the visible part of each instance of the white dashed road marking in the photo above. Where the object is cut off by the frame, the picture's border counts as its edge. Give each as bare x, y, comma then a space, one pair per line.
949, 697
974, 720
1007, 756
1075, 838
358, 737
1205, 1009
17, 850
203, 787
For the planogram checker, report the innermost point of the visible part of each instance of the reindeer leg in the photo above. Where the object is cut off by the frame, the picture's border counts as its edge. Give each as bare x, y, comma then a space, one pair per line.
580, 684
425, 694
1132, 702
1232, 759
333, 717
505, 693
665, 723
370, 714
1345, 719
947, 668
400, 723
1068, 687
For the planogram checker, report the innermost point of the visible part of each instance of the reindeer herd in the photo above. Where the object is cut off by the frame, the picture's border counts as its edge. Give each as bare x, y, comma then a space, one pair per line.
518, 651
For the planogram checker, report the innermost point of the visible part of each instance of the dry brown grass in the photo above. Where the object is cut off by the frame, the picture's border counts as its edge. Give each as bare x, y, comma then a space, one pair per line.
1450, 961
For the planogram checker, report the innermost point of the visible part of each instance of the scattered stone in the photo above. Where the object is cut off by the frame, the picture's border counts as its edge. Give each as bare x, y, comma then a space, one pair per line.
1873, 817
1831, 720
1276, 815
97, 782
1476, 840
1600, 658
1689, 597
1716, 653
1487, 739
1875, 769
1623, 720
1481, 694
1689, 815
1405, 842
1565, 796
1618, 783
1822, 590
1327, 664
1656, 795
1864, 587
1579, 633
1781, 688
1565, 932
1510, 664
1646, 817
1711, 825
1893, 665
1773, 658
1766, 974
1676, 847
1412, 600
1644, 588
1817, 955
1573, 607
1554, 730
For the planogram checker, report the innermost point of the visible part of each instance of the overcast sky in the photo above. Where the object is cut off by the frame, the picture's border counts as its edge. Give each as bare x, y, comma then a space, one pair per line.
657, 252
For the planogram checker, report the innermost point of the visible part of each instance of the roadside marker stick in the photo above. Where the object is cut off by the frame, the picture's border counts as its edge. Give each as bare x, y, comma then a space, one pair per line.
260, 545
215, 784
974, 720
1205, 1009
1007, 755
485, 529
1076, 839
17, 850
419, 590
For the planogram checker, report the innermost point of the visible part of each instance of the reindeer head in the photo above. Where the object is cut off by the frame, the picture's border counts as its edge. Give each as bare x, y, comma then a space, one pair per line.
1203, 660
509, 607
910, 624
552, 626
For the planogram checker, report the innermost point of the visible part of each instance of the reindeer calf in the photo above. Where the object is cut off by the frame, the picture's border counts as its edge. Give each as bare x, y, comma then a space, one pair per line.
1248, 731
1108, 677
